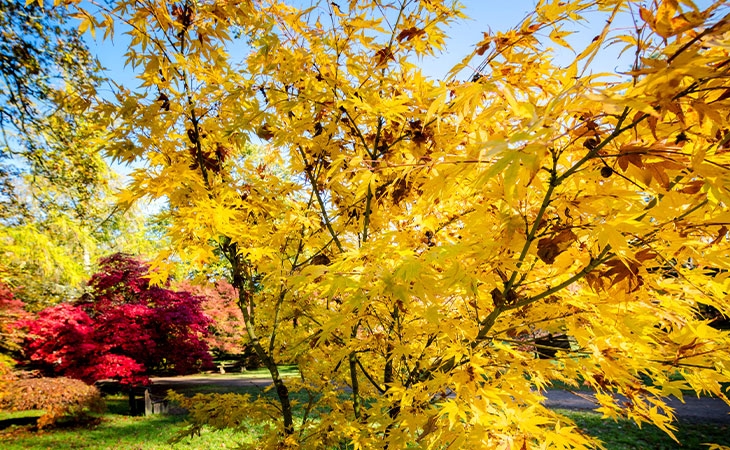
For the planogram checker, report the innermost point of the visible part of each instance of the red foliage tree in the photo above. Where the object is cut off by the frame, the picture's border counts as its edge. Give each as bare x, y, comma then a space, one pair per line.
220, 303
123, 329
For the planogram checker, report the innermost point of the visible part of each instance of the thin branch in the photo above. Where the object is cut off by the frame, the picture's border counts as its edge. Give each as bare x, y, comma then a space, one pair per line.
274, 326
697, 38
322, 206
369, 377
535, 226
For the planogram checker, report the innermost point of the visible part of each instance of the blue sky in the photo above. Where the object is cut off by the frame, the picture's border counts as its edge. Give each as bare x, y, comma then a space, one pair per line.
500, 15
495, 15
484, 15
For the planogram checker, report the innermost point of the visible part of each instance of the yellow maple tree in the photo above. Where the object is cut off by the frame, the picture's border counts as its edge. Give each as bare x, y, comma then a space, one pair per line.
434, 253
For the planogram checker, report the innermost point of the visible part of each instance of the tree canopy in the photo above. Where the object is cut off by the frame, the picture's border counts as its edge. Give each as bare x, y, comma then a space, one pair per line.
122, 329
11, 312
57, 211
442, 250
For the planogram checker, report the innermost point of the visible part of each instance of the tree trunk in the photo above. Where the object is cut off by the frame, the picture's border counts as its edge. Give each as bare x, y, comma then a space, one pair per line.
241, 280
132, 403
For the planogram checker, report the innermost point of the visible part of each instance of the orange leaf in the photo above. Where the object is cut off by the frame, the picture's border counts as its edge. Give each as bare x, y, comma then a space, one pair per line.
382, 56
646, 16
692, 187
410, 33
721, 233
483, 46
645, 255
549, 248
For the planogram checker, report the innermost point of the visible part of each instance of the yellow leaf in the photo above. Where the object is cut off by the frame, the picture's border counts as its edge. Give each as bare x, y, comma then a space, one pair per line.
664, 16
558, 37
608, 235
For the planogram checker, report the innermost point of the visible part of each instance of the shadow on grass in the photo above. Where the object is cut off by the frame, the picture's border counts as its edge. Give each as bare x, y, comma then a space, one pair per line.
19, 422
626, 435
117, 430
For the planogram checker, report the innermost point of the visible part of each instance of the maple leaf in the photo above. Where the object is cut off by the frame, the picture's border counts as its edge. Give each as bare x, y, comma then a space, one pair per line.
382, 56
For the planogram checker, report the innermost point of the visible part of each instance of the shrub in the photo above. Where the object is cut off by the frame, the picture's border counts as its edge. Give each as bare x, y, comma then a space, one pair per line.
57, 397
6, 372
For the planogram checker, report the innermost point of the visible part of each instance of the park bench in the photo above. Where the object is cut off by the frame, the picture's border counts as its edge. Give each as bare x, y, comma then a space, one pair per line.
147, 402
154, 404
230, 367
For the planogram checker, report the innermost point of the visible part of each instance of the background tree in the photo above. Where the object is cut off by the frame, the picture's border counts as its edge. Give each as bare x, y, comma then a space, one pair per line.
11, 312
219, 302
57, 212
430, 234
122, 329
48, 78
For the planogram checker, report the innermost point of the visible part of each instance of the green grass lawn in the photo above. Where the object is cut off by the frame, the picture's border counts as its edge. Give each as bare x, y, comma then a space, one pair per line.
284, 371
626, 435
119, 431
4, 415
262, 372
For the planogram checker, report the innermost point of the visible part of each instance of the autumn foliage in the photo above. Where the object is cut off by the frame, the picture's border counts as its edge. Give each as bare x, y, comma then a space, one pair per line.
122, 329
58, 398
417, 243
11, 311
219, 302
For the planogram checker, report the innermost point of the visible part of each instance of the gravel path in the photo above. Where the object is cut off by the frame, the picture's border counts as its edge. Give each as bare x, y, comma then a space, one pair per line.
693, 409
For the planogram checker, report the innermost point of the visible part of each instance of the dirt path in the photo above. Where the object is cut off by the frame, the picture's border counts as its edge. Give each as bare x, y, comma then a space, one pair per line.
693, 409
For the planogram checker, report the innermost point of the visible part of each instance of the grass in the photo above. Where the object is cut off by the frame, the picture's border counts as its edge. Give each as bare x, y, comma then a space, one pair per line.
262, 372
119, 431
626, 435
284, 372
5, 415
